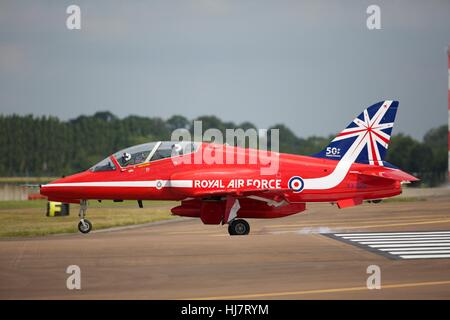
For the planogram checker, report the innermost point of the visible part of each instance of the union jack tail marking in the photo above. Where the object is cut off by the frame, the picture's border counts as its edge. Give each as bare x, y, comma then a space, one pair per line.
366, 138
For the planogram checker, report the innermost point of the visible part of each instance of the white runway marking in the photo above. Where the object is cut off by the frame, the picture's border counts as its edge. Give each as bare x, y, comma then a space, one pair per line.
401, 245
415, 248
432, 237
402, 242
391, 233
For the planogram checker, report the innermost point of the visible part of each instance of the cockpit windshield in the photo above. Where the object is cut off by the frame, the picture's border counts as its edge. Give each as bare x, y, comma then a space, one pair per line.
134, 155
104, 165
145, 153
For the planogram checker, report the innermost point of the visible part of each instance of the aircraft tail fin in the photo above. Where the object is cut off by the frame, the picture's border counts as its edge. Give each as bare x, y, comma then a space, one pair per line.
366, 138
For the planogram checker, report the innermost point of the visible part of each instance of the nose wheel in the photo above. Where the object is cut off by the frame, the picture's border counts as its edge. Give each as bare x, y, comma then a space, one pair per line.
84, 226
238, 227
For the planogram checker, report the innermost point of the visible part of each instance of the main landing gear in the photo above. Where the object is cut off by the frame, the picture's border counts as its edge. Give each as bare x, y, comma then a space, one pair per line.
238, 227
85, 226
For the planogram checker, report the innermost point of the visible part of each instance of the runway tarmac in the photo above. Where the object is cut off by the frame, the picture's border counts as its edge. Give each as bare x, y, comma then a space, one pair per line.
288, 258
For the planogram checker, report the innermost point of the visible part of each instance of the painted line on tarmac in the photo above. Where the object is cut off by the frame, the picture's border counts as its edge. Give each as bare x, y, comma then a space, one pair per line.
358, 220
392, 234
373, 226
318, 291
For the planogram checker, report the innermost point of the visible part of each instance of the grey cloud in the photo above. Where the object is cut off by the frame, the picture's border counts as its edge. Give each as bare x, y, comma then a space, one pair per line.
312, 65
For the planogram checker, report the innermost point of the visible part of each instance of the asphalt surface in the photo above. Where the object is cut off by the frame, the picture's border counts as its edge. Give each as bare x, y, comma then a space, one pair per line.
286, 258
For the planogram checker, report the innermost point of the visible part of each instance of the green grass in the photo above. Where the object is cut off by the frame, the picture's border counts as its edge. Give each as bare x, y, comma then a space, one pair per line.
22, 204
28, 218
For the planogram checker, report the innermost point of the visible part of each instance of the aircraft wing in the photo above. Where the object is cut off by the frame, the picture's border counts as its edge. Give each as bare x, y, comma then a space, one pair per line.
387, 173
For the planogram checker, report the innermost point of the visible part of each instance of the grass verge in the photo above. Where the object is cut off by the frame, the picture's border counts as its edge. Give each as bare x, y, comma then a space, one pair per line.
28, 218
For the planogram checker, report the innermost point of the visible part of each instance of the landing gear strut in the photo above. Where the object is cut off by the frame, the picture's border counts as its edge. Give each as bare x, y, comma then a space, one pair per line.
238, 227
85, 226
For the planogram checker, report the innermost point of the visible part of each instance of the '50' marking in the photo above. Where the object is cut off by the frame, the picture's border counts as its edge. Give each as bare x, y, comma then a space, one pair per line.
333, 152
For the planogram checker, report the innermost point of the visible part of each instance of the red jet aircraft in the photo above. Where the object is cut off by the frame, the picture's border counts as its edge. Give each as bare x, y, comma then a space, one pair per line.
348, 171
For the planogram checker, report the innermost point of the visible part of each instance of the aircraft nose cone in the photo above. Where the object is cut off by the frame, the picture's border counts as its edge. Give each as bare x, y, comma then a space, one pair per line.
49, 189
65, 188
44, 190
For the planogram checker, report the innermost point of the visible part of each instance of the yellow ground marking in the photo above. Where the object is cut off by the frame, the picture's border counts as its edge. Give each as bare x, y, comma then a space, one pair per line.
318, 291
350, 220
399, 224
337, 224
378, 225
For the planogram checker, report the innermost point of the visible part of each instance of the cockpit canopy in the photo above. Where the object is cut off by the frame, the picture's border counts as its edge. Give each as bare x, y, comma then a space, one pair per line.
146, 152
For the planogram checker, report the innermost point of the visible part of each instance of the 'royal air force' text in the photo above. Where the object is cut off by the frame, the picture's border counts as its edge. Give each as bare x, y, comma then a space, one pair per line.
238, 183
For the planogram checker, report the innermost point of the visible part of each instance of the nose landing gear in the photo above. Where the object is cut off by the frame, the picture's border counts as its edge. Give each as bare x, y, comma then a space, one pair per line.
84, 226
238, 227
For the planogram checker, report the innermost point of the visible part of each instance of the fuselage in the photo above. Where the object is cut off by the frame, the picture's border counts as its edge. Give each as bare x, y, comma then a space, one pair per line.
181, 177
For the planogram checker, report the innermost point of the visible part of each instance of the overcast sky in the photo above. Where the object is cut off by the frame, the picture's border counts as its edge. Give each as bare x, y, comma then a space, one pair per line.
312, 65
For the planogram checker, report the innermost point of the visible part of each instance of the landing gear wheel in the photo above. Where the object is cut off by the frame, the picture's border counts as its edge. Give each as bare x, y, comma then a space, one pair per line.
376, 201
85, 226
238, 227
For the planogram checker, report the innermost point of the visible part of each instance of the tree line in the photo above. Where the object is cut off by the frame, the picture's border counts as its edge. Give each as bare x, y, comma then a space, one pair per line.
46, 146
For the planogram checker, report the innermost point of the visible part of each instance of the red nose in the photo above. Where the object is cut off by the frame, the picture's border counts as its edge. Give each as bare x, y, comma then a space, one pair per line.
61, 189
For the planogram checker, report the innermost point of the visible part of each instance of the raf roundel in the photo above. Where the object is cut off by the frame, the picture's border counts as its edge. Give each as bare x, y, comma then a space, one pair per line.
296, 184
159, 184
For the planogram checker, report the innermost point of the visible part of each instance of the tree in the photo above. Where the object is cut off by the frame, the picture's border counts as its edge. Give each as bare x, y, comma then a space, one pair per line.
177, 122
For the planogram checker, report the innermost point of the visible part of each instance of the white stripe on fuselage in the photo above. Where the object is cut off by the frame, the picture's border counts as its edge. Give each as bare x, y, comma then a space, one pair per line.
149, 184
